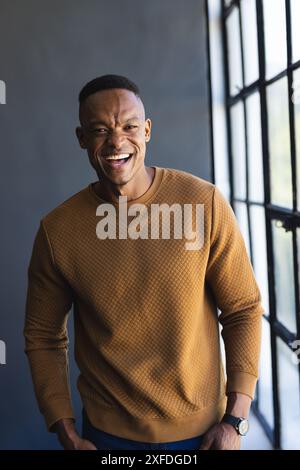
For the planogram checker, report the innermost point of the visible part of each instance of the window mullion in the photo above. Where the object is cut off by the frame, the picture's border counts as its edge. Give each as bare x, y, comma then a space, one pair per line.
269, 236
227, 107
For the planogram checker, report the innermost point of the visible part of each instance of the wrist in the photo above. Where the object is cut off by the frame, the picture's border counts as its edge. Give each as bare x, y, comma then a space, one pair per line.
241, 425
66, 428
238, 404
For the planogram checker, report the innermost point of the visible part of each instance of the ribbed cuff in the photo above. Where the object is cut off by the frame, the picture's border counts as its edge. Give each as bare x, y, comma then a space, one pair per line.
56, 410
241, 382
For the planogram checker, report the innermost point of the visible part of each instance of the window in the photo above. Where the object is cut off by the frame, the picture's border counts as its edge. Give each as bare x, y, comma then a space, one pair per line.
259, 42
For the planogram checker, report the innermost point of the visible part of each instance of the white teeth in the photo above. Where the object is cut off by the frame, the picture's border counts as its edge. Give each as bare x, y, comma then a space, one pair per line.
117, 157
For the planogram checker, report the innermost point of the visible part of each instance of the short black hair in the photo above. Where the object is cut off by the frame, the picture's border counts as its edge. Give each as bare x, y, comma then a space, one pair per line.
107, 82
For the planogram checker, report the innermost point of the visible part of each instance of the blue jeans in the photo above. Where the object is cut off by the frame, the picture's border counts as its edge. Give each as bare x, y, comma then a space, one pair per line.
104, 441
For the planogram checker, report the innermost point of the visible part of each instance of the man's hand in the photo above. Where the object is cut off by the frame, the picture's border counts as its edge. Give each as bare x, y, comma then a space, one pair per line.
69, 438
221, 436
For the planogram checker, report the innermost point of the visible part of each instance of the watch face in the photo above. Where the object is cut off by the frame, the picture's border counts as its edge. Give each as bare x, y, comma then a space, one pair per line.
243, 427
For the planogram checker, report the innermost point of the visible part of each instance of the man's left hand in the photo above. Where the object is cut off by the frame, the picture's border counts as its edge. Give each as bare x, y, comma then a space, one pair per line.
221, 436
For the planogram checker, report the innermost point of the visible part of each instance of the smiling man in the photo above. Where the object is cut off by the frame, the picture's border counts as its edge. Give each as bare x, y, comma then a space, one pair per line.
147, 340
114, 132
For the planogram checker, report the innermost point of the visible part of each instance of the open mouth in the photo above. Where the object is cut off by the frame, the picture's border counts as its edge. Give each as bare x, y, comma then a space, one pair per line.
116, 161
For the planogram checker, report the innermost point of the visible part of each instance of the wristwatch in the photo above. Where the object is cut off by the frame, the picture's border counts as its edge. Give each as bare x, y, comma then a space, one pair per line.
241, 425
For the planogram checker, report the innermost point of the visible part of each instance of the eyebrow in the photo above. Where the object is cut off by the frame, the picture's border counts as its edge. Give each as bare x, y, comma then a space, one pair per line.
133, 118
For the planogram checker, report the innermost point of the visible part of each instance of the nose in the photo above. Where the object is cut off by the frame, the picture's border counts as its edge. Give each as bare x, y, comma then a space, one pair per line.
115, 139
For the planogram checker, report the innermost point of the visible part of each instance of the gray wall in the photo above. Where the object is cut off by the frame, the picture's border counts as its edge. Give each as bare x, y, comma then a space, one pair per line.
48, 50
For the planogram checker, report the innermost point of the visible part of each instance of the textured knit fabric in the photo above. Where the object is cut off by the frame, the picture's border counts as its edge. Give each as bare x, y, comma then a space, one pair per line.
145, 315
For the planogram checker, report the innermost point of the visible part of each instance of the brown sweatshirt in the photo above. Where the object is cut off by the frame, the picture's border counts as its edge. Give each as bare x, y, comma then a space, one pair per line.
145, 311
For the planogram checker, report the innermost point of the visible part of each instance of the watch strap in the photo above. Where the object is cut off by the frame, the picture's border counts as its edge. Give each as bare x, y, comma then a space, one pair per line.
235, 422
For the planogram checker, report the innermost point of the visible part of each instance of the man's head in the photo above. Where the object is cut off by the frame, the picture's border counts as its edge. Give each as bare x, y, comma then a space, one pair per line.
113, 124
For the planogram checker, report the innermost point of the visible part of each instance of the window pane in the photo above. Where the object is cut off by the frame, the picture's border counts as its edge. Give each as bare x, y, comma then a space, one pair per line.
275, 36
240, 210
238, 150
234, 49
259, 247
265, 385
289, 397
249, 30
284, 276
218, 99
296, 100
295, 18
254, 143
279, 143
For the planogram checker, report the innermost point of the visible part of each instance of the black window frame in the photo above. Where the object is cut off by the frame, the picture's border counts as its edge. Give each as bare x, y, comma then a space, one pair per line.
290, 218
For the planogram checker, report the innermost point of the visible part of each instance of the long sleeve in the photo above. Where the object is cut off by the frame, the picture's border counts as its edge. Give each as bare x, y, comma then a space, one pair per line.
231, 278
48, 302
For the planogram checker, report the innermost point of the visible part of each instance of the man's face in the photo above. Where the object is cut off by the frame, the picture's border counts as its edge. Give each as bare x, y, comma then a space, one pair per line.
113, 125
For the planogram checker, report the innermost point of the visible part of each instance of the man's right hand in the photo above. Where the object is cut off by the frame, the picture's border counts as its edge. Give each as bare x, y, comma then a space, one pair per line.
69, 438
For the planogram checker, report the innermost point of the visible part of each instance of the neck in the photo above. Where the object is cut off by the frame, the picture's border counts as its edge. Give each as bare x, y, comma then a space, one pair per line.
134, 189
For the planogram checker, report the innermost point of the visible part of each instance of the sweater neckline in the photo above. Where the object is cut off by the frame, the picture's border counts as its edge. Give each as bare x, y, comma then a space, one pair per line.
145, 197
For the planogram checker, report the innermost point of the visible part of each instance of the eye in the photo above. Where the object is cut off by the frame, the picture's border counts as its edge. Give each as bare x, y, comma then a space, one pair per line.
100, 130
130, 127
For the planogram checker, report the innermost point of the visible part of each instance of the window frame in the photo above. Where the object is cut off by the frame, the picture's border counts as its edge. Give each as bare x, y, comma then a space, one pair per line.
290, 218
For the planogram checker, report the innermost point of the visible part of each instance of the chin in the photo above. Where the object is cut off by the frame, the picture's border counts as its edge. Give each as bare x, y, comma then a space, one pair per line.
119, 179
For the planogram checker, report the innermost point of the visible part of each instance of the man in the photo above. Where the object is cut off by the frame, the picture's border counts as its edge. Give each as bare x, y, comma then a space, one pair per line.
145, 301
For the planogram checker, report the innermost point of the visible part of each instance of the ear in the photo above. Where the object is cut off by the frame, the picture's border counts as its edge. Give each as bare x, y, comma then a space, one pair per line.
81, 137
148, 125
